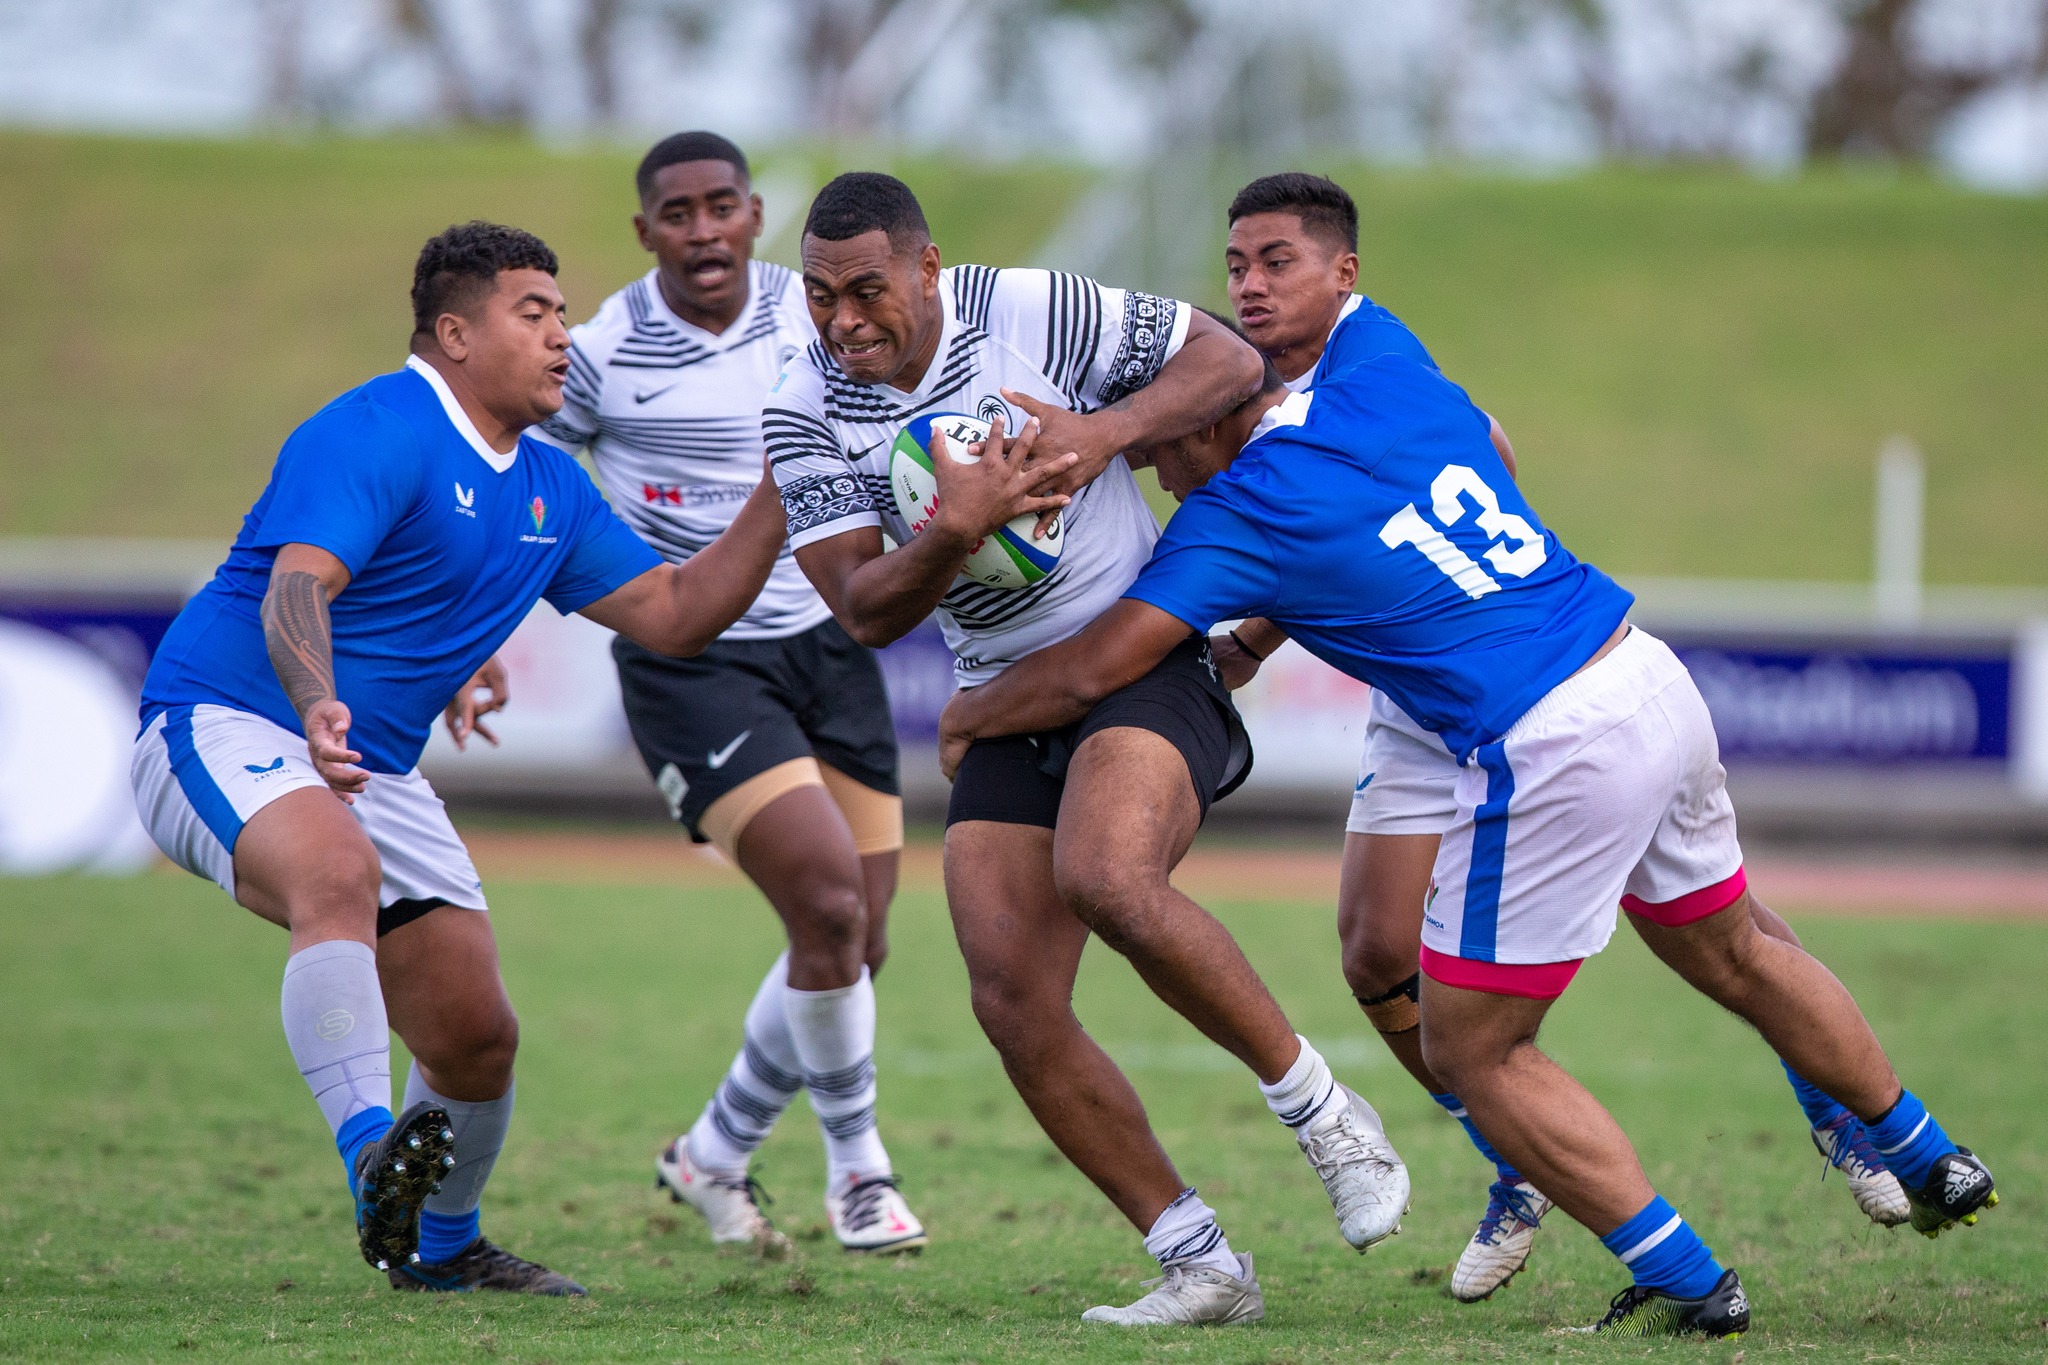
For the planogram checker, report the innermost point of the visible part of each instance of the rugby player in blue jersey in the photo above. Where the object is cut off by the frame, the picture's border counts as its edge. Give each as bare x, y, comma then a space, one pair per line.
1292, 268
1373, 521
407, 528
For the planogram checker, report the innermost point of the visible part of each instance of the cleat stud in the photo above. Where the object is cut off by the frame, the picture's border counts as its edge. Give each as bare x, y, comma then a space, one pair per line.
413, 1142
383, 1265
398, 1168
412, 1258
1991, 1200
447, 1163
447, 1135
1969, 1220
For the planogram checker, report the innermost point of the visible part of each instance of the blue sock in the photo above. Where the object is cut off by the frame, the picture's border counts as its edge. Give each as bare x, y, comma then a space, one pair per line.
359, 1132
1663, 1252
443, 1236
1909, 1140
1450, 1104
1821, 1110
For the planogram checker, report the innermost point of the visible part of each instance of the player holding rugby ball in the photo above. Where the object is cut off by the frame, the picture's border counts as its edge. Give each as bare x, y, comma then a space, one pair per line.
1054, 834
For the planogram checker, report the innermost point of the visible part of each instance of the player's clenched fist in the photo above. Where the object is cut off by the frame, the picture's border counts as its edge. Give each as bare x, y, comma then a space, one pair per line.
327, 725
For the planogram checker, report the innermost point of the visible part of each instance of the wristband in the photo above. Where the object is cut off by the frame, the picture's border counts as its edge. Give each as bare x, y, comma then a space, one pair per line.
1238, 640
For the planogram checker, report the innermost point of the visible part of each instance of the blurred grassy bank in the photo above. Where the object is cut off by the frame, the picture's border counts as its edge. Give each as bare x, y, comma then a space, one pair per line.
1696, 368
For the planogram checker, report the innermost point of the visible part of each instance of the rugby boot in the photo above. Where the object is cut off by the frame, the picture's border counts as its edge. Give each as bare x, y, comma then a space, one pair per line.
871, 1216
731, 1204
1191, 1296
393, 1177
1845, 1143
1360, 1171
483, 1265
1958, 1185
1500, 1248
1640, 1312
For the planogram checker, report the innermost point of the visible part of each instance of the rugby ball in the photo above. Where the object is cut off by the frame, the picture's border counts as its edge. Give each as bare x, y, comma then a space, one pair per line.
1008, 559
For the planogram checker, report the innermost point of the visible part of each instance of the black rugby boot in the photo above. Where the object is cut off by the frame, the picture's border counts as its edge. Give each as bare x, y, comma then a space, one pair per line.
1640, 1312
1958, 1185
482, 1265
393, 1177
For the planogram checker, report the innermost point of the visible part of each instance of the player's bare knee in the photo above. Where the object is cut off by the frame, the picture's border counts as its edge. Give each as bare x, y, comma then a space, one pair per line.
336, 884
835, 916
477, 1050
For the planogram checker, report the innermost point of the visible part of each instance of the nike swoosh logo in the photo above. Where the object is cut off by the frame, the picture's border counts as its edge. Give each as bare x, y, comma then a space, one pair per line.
653, 393
716, 759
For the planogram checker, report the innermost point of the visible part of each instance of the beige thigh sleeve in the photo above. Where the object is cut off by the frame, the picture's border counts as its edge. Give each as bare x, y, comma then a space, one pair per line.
876, 818
725, 818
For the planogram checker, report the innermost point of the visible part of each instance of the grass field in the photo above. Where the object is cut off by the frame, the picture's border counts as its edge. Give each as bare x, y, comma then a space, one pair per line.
1696, 367
168, 1190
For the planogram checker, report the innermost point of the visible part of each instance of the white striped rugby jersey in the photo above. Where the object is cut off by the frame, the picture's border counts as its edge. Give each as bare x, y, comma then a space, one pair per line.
672, 416
1060, 338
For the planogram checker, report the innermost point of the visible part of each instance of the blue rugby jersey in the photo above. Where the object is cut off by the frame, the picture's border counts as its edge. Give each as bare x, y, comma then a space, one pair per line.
448, 543
1372, 519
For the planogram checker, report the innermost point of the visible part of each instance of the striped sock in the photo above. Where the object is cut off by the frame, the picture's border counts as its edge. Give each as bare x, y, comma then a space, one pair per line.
763, 1079
1909, 1140
1451, 1105
834, 1032
1306, 1092
1821, 1110
1187, 1234
1663, 1252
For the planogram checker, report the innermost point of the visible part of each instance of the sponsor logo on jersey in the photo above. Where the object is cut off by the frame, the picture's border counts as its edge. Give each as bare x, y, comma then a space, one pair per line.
465, 501
1365, 782
276, 765
649, 395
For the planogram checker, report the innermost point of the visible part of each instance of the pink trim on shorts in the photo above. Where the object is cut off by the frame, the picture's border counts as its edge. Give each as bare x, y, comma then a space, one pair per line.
1531, 980
1693, 905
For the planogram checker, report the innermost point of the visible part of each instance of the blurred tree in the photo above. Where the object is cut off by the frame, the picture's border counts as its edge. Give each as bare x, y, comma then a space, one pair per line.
1884, 98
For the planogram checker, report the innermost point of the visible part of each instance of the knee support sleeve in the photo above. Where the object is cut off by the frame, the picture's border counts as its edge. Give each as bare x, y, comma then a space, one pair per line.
1397, 1011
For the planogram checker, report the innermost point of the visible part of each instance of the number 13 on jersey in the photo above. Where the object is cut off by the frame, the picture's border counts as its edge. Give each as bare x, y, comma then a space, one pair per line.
1515, 547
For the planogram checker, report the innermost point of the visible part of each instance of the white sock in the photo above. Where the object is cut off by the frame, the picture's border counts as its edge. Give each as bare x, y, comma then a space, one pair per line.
480, 1127
333, 1008
1306, 1092
834, 1032
1187, 1233
764, 1078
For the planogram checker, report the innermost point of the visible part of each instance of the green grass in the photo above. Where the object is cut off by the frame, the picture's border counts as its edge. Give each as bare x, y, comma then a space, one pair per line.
1696, 367
168, 1186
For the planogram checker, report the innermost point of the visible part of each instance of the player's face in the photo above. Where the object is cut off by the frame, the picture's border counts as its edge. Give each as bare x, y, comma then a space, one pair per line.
1286, 285
517, 348
1188, 463
700, 222
876, 308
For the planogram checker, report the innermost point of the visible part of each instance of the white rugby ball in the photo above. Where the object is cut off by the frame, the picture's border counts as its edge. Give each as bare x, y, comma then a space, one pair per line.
1008, 559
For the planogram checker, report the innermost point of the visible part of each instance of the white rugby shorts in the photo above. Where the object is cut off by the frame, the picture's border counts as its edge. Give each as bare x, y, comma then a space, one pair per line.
1407, 779
201, 772
1609, 789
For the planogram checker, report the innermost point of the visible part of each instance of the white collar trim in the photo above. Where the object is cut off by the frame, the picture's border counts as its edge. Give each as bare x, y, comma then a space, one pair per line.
463, 426
1290, 411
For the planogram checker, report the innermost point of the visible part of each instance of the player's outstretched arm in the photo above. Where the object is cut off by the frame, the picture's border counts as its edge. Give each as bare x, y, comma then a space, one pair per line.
1059, 684
300, 640
1213, 373
678, 609
880, 597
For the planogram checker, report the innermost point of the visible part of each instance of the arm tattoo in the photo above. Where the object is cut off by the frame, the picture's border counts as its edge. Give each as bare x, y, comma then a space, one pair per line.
299, 638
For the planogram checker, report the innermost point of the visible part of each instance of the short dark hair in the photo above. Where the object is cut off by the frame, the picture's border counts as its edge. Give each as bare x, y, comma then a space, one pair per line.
461, 265
1270, 380
1321, 203
677, 148
867, 201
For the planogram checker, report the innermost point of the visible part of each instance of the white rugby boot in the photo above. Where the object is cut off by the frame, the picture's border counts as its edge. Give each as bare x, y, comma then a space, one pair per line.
1846, 1145
1191, 1296
871, 1216
729, 1203
1500, 1248
1360, 1171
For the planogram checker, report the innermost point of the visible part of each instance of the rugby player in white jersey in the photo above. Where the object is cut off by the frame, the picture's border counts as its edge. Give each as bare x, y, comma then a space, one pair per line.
407, 528
1292, 265
1051, 836
775, 744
